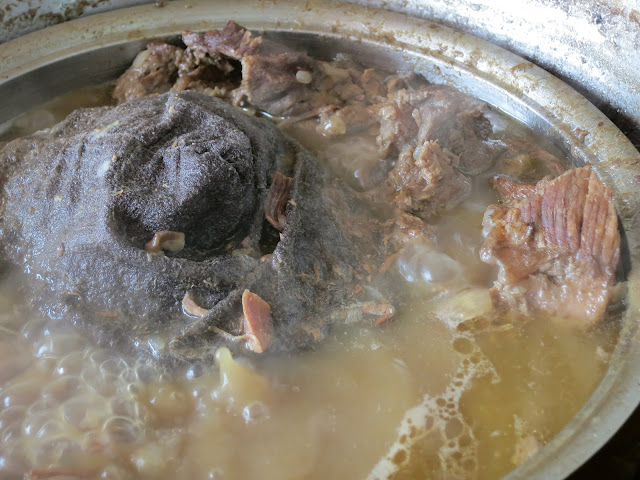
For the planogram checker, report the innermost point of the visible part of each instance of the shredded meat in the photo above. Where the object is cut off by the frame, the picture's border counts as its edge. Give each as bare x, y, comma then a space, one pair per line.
437, 113
426, 180
557, 248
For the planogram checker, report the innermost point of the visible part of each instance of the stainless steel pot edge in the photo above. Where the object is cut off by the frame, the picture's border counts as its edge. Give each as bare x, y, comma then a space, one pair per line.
479, 68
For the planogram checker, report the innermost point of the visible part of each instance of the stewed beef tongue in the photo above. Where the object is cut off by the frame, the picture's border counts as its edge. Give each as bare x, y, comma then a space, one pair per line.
556, 244
145, 225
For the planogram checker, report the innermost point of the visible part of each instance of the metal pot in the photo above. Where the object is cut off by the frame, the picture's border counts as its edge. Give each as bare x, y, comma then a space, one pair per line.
97, 48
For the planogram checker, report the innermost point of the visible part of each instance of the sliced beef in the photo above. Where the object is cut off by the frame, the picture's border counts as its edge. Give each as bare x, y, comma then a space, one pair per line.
91, 203
557, 247
511, 190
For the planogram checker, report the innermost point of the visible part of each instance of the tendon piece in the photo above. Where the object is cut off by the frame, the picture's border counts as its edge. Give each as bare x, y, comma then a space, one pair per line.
524, 161
166, 240
256, 322
557, 248
277, 198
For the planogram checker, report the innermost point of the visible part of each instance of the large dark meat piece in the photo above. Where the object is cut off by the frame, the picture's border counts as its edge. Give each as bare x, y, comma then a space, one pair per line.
83, 199
556, 244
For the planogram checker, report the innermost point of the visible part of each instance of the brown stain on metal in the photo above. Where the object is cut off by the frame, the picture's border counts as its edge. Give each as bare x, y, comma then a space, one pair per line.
521, 66
580, 134
22, 21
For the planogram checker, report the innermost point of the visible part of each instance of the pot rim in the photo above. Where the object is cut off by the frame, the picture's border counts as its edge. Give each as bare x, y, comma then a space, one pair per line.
441, 54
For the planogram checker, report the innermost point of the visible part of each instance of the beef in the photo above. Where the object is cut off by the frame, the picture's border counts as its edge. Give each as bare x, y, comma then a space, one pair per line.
512, 190
439, 137
557, 247
426, 179
339, 98
154, 70
269, 70
442, 114
91, 203
523, 160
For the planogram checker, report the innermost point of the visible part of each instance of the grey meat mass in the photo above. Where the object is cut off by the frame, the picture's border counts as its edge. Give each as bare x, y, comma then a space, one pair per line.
155, 226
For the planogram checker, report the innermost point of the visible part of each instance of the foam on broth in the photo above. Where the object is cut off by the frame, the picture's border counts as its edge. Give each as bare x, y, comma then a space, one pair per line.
439, 392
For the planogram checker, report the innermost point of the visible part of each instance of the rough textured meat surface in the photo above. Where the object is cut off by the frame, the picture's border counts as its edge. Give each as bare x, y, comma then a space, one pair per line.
437, 113
426, 179
144, 223
83, 199
557, 246
154, 70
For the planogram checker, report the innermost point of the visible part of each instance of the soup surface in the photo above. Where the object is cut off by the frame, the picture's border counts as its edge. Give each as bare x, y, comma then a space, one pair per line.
446, 388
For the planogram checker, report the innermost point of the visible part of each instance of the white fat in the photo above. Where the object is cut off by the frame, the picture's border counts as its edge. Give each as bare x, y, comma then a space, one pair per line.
103, 168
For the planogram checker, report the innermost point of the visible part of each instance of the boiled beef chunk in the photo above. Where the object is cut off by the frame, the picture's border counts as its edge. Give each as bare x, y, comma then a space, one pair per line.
556, 244
144, 224
426, 179
154, 70
442, 114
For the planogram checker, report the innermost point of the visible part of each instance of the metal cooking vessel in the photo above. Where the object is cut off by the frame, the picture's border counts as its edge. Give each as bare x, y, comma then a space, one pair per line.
94, 49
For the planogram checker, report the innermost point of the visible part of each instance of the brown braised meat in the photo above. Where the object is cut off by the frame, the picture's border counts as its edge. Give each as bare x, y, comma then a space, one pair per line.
145, 225
556, 244
174, 223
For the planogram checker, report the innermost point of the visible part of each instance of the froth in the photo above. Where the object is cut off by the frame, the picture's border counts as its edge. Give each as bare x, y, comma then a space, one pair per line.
438, 420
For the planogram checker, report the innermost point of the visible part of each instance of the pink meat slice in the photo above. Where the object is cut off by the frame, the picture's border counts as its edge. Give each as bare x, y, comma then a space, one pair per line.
556, 244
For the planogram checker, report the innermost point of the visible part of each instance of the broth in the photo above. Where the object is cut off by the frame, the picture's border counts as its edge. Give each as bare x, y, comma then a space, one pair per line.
439, 392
